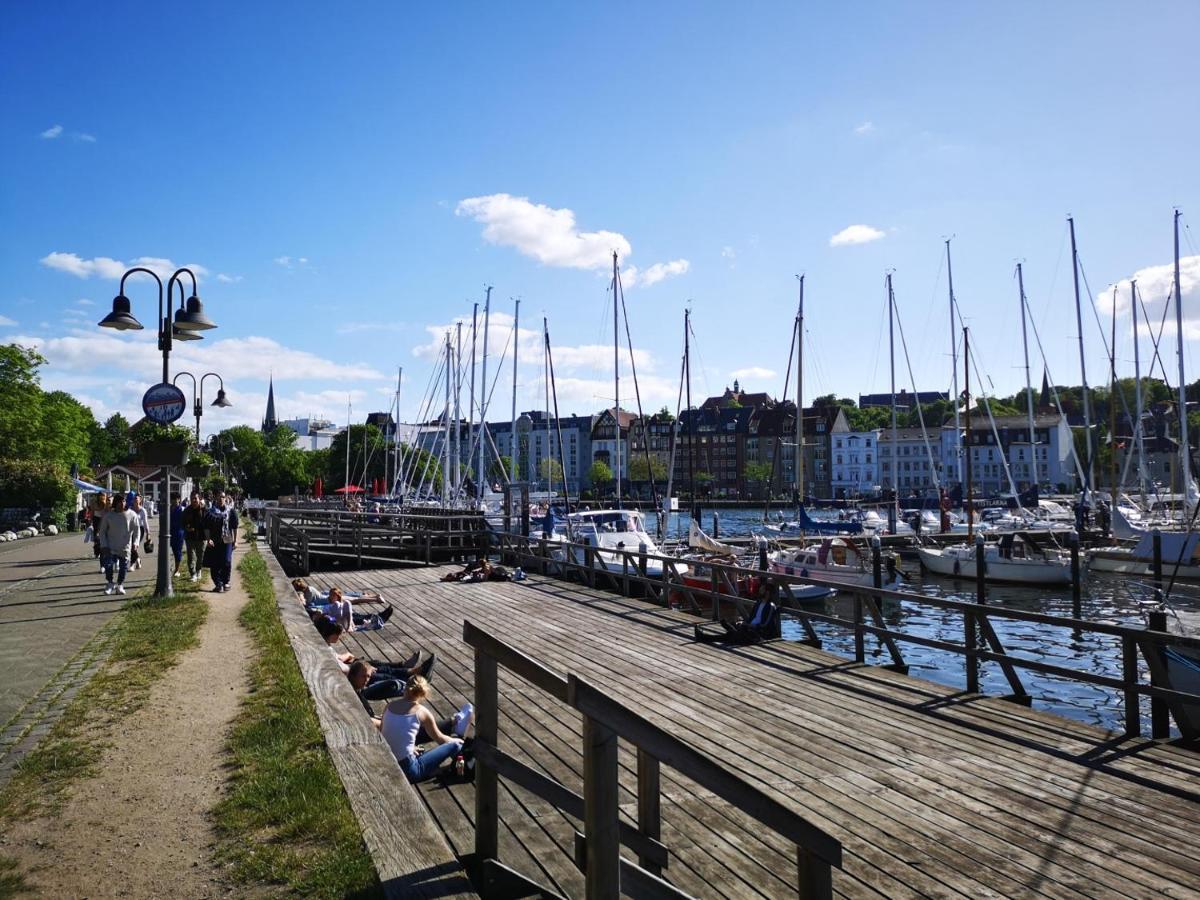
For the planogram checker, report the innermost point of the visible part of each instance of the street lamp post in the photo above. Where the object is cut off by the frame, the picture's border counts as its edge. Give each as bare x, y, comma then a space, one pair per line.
172, 325
198, 395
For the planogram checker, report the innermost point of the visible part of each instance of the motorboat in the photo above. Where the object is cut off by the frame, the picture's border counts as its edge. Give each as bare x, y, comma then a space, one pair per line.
833, 559
611, 530
1017, 557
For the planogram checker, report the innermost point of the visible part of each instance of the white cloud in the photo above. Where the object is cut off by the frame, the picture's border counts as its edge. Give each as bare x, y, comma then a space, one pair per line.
228, 279
284, 261
855, 234
52, 132
634, 277
107, 267
84, 301
84, 138
1155, 284
548, 235
290, 262
728, 252
754, 373
864, 129
6, 322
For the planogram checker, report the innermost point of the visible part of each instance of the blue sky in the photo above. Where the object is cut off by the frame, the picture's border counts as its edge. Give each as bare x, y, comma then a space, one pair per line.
336, 171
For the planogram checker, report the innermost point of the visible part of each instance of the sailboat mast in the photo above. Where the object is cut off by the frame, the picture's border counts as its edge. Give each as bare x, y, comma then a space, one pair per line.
546, 367
481, 470
456, 468
616, 385
516, 466
396, 436
446, 419
1184, 456
346, 484
687, 371
1090, 472
1137, 387
471, 401
799, 463
958, 451
1028, 384
1112, 406
970, 498
892, 364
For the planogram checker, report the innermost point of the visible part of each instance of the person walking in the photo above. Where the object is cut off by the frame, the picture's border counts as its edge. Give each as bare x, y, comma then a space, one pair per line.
143, 536
177, 532
100, 507
193, 535
118, 530
220, 526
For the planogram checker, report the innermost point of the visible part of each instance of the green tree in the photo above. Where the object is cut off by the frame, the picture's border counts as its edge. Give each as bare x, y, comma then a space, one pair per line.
367, 452
550, 471
110, 442
67, 429
758, 475
640, 470
20, 403
500, 469
37, 484
600, 475
704, 482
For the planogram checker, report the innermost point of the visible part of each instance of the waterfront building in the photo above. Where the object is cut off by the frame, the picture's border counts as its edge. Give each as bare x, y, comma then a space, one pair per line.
904, 400
855, 463
541, 444
313, 433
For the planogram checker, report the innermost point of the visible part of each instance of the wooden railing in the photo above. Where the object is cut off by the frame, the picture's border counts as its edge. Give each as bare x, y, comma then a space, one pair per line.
598, 848
303, 534
625, 571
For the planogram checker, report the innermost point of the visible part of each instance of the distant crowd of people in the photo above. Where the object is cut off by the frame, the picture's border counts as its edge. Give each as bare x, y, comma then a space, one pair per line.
406, 723
205, 529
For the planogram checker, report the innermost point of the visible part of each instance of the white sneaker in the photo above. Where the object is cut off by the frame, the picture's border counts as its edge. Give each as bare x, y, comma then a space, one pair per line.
195, 578
109, 588
120, 589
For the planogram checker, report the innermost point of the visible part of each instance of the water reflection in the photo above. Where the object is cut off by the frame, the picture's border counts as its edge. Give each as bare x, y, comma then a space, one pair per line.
1105, 598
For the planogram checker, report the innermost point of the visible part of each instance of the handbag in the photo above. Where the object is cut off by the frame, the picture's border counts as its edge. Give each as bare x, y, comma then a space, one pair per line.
148, 546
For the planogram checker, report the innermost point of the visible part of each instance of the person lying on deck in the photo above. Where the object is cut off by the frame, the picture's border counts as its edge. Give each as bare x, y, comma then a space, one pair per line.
312, 595
479, 570
762, 625
384, 679
341, 609
403, 721
459, 724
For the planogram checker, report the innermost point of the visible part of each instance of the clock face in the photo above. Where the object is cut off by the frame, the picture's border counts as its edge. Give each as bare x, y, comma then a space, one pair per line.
164, 403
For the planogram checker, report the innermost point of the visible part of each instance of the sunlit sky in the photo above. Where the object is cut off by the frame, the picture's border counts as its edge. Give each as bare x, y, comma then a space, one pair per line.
346, 179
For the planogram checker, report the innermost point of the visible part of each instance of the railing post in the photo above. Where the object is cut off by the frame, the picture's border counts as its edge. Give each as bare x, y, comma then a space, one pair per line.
600, 811
649, 805
544, 555
589, 562
641, 567
1129, 674
1160, 712
815, 876
980, 571
1076, 604
487, 714
714, 592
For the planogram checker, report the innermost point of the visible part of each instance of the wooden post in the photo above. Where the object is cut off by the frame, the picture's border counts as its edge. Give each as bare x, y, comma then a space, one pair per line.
714, 593
600, 810
815, 876
487, 715
762, 557
649, 805
643, 588
544, 555
716, 525
1160, 712
428, 548
1129, 674
1076, 605
589, 562
980, 571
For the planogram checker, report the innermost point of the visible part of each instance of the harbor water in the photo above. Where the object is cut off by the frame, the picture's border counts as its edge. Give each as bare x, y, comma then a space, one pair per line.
1111, 599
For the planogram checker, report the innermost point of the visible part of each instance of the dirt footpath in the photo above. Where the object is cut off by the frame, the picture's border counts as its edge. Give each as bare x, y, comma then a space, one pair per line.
141, 826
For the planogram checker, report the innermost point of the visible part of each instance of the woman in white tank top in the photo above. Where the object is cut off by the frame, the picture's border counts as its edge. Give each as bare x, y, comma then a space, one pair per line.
402, 722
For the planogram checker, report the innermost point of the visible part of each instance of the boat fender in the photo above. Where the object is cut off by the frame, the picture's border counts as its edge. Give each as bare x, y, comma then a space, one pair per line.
957, 568
804, 573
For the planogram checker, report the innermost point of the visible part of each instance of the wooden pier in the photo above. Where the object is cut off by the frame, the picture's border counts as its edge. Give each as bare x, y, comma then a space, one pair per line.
928, 791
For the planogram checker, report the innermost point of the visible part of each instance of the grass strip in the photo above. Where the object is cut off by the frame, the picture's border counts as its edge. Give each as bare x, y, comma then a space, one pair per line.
12, 882
148, 635
286, 819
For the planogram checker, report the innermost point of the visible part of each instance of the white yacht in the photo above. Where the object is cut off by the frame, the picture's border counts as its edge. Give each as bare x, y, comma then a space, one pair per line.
834, 559
611, 529
1016, 557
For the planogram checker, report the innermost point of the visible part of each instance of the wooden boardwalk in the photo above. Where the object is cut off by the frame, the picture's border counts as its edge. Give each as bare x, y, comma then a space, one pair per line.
931, 792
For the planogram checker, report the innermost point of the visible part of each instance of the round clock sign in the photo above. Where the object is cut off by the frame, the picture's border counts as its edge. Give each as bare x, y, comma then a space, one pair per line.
164, 403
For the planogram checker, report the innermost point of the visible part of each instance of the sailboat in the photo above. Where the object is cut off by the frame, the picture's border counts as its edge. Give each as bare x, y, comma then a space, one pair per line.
1017, 557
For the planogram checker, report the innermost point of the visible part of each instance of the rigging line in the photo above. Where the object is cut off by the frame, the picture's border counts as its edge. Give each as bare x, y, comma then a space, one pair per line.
1057, 400
474, 446
1155, 340
878, 343
916, 397
703, 367
422, 416
558, 422
1062, 245
787, 381
1095, 312
637, 393
933, 304
1012, 486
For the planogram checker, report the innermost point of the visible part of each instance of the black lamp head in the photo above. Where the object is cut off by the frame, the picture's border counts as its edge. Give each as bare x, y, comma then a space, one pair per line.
221, 400
192, 318
121, 318
180, 335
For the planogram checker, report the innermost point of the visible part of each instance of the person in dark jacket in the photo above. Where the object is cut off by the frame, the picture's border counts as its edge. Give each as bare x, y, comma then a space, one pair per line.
193, 535
220, 532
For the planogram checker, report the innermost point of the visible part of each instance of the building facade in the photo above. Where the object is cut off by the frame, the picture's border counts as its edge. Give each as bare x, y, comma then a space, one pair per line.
855, 464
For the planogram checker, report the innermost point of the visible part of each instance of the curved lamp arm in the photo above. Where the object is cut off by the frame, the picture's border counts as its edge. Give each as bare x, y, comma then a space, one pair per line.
206, 375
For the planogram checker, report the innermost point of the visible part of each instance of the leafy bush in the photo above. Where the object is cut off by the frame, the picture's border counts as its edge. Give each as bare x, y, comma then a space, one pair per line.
34, 483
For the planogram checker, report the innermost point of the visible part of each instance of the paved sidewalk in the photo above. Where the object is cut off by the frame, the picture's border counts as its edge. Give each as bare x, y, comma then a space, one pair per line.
52, 607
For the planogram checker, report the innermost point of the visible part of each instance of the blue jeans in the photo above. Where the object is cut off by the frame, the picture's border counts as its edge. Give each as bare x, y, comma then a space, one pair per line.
382, 687
418, 768
224, 568
121, 563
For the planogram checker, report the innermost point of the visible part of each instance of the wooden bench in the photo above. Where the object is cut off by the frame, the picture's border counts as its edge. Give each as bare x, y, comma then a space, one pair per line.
410, 852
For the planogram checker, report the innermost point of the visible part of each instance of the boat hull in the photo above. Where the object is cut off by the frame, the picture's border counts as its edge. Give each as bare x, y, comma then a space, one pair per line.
1011, 571
1121, 562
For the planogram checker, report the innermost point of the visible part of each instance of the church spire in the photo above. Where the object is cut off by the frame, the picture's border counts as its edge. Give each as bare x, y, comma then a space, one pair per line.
269, 422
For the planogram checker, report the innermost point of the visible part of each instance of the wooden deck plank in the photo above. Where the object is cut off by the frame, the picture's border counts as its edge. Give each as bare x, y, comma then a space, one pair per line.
932, 792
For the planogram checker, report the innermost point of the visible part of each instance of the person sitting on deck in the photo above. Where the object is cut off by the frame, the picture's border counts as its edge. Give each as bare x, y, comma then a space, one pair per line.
384, 679
340, 608
458, 724
403, 720
762, 625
